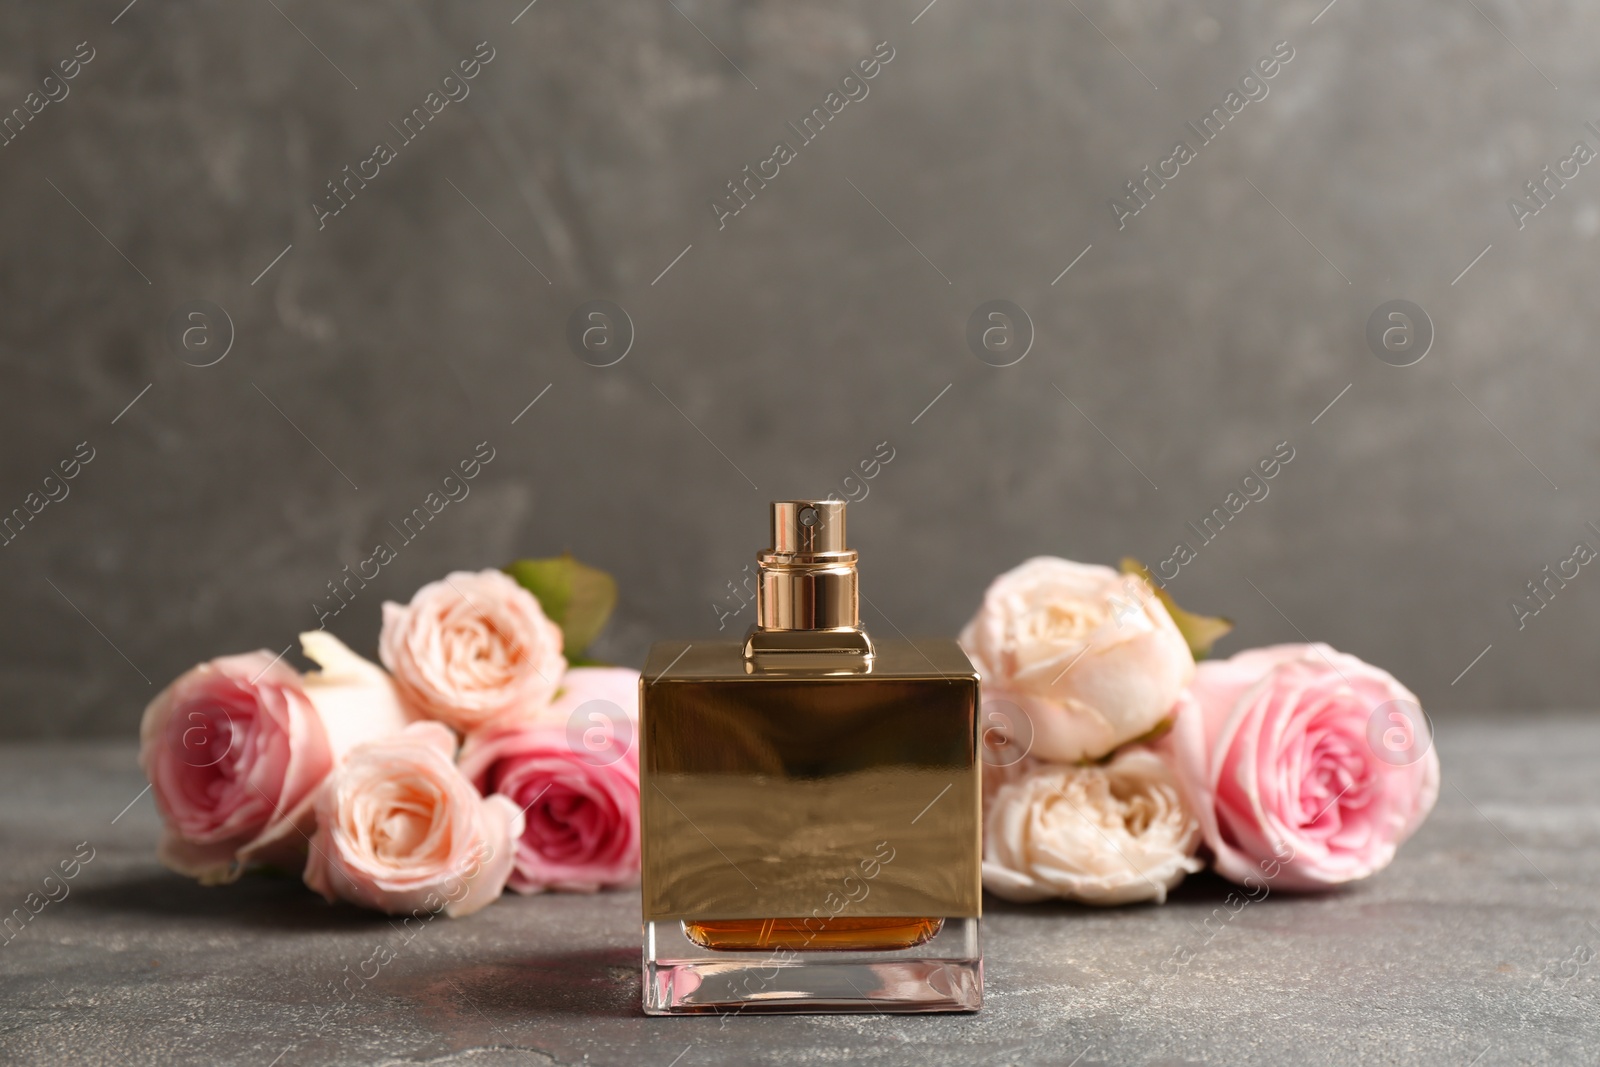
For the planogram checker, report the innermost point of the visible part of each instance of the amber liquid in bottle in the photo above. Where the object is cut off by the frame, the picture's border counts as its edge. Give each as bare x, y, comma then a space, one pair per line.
848, 934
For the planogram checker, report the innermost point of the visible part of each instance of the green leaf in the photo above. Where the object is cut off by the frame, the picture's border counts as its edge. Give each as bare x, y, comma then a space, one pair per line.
578, 598
1199, 631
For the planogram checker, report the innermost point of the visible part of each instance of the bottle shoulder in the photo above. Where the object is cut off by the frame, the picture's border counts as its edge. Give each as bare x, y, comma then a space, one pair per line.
934, 658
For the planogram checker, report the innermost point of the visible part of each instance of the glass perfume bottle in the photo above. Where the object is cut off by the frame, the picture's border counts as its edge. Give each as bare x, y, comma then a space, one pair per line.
810, 803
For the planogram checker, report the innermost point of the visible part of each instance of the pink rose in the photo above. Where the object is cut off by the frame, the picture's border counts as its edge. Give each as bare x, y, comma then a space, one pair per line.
471, 647
1305, 766
400, 829
1090, 656
575, 773
234, 749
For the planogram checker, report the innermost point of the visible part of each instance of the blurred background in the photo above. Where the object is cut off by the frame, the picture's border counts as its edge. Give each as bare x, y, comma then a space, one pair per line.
254, 379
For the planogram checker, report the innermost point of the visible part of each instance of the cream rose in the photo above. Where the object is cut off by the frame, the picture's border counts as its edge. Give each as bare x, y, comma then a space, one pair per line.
1109, 834
400, 829
1091, 656
235, 749
470, 648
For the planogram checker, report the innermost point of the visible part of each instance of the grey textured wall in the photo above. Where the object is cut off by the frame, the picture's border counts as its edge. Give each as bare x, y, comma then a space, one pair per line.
778, 351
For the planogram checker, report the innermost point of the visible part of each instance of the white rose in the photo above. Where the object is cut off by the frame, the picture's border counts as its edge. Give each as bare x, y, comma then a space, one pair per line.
1109, 834
1090, 655
355, 697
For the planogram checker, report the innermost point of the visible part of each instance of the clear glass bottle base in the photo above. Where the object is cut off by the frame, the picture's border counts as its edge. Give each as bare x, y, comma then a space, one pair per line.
944, 973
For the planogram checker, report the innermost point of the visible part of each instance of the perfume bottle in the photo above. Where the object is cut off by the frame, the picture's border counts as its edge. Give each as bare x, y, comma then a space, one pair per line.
810, 803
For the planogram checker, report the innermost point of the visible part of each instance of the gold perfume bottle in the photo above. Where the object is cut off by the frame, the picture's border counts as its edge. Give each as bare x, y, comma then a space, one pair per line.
810, 803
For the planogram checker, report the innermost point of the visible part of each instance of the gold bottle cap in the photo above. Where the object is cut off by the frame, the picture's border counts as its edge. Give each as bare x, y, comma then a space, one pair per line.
813, 529
807, 596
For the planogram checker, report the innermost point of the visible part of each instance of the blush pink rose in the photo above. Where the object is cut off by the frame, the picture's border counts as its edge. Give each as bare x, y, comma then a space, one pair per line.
400, 829
1090, 657
472, 647
1305, 766
575, 773
235, 748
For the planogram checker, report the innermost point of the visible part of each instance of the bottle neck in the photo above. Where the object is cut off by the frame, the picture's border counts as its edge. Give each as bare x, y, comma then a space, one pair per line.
807, 596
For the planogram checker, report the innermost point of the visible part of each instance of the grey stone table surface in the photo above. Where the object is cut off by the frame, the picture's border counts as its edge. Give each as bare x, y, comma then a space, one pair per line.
1476, 947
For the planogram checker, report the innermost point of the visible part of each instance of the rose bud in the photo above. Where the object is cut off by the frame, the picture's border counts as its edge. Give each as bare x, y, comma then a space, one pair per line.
399, 829
1305, 766
574, 771
471, 647
235, 748
1090, 656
